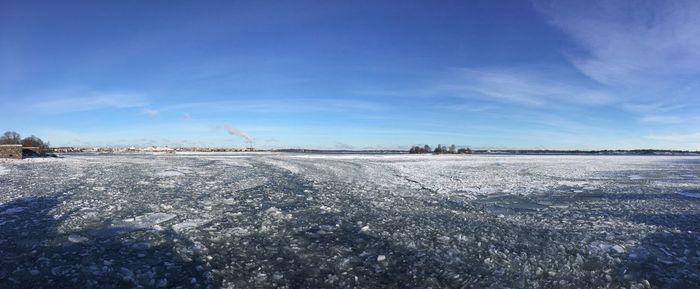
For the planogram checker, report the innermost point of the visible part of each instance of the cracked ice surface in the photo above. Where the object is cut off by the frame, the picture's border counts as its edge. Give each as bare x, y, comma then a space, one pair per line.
350, 221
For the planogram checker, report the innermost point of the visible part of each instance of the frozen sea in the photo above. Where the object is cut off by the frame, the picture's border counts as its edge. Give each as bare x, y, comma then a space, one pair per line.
268, 220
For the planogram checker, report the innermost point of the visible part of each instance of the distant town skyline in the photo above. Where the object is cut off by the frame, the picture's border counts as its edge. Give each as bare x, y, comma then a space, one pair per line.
353, 74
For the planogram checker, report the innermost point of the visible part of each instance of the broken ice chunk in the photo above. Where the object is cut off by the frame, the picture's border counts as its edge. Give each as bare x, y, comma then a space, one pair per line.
277, 213
133, 224
444, 239
365, 229
189, 224
273, 211
169, 174
602, 247
73, 238
617, 249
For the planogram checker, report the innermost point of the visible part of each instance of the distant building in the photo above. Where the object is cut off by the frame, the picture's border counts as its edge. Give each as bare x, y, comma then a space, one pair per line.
154, 149
12, 151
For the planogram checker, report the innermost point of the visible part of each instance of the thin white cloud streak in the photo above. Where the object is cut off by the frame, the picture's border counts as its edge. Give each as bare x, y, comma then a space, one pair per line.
466, 107
278, 105
686, 140
151, 112
630, 42
518, 87
186, 117
645, 53
77, 102
655, 107
161, 134
670, 119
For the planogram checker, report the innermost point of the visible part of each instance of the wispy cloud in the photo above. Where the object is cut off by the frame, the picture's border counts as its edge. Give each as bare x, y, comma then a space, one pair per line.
641, 57
670, 119
343, 146
518, 86
281, 105
630, 42
151, 112
644, 53
85, 101
687, 140
186, 117
466, 107
650, 107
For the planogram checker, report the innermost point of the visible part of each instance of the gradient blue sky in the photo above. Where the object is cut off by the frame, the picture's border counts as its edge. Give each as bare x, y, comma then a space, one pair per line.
353, 74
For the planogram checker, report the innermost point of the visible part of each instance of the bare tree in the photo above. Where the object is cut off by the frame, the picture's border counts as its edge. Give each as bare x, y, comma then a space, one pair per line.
464, 151
453, 149
34, 141
10, 137
45, 148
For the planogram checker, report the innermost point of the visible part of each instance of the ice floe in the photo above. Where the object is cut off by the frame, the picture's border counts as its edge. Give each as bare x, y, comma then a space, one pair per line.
350, 221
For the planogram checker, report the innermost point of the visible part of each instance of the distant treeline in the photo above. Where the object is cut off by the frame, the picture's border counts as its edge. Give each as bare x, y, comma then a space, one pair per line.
591, 152
426, 149
440, 149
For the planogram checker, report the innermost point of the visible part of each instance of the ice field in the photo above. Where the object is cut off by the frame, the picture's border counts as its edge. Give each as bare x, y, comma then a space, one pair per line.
267, 220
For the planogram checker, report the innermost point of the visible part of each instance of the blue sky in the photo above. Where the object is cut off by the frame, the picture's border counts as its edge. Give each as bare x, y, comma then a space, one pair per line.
353, 74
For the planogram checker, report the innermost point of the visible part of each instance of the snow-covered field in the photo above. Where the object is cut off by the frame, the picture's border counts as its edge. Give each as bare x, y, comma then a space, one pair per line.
340, 221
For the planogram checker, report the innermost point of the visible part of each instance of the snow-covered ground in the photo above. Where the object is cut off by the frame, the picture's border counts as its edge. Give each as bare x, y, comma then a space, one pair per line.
361, 221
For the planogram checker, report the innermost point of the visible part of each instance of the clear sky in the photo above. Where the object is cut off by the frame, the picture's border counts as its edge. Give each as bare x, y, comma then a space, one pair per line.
353, 74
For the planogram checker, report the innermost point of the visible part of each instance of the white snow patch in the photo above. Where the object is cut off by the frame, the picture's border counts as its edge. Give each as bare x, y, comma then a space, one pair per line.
328, 209
273, 211
276, 213
189, 224
236, 231
284, 165
250, 183
169, 174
